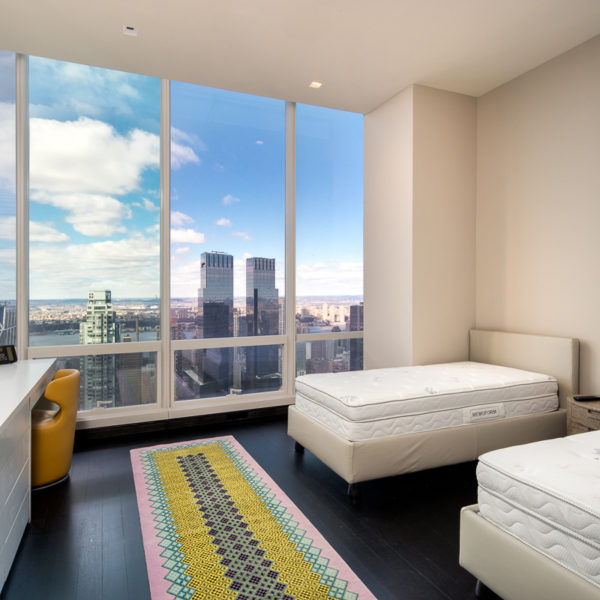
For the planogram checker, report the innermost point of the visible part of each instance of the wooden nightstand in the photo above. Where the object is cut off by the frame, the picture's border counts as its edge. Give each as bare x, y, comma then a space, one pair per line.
582, 416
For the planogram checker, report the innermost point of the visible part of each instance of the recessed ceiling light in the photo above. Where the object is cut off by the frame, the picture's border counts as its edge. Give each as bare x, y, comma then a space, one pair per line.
315, 84
130, 30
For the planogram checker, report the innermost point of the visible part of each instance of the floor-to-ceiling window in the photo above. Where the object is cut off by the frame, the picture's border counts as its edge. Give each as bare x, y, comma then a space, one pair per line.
329, 240
94, 258
227, 242
8, 229
161, 233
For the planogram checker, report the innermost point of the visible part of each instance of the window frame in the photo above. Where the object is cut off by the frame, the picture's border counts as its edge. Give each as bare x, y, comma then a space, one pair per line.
166, 406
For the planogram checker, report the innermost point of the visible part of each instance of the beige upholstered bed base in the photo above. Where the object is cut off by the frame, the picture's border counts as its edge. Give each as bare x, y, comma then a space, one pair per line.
383, 457
511, 568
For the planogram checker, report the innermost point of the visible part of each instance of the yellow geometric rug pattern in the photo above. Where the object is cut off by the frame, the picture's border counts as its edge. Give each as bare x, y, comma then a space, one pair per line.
223, 532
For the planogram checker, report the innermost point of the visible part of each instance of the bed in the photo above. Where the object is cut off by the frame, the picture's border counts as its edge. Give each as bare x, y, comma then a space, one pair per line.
535, 532
397, 453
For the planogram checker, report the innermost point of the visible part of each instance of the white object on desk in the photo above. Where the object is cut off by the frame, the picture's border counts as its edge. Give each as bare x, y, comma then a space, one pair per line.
21, 385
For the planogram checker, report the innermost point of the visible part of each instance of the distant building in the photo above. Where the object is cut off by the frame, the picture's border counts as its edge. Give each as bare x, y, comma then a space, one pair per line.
262, 317
215, 295
8, 324
99, 373
356, 323
100, 325
215, 315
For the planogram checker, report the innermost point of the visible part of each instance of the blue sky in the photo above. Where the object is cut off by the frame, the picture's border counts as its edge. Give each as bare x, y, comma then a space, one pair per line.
95, 185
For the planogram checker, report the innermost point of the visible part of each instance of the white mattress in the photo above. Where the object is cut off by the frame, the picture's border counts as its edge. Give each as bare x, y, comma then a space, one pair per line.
361, 405
547, 494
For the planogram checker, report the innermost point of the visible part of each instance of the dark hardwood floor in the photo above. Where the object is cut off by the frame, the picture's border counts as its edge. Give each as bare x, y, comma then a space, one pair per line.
84, 540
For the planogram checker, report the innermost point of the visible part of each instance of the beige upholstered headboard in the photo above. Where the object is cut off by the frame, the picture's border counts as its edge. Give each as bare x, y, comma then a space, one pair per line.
556, 356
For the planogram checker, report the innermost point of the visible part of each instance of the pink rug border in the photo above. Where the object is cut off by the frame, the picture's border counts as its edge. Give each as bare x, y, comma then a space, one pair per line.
159, 585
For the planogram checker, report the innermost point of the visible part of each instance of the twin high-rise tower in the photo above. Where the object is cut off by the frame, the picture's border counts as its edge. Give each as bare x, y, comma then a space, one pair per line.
262, 317
216, 315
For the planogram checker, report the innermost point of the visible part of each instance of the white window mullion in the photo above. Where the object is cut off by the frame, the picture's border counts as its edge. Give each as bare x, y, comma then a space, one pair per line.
166, 379
228, 342
289, 371
340, 335
22, 232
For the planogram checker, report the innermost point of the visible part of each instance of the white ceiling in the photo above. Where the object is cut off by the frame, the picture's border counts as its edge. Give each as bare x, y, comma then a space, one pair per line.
364, 51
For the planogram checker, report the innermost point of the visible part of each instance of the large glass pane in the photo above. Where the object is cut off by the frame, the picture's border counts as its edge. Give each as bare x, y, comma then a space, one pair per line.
227, 214
114, 380
8, 287
213, 372
329, 356
329, 220
94, 205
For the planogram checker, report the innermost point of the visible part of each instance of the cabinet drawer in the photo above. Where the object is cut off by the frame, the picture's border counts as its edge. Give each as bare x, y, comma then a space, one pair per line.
10, 509
585, 415
10, 545
575, 427
14, 449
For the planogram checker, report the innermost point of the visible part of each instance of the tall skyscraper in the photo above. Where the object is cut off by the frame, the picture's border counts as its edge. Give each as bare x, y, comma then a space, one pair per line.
262, 297
262, 315
215, 314
215, 295
356, 346
8, 324
98, 381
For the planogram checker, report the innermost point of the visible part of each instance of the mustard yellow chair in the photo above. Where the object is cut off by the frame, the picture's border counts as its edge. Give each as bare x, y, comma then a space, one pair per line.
53, 429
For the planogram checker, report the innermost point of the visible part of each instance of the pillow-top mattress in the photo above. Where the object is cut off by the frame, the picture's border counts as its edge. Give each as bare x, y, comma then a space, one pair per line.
361, 405
547, 494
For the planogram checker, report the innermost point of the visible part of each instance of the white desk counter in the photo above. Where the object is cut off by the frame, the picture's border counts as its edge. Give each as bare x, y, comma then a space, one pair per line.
21, 385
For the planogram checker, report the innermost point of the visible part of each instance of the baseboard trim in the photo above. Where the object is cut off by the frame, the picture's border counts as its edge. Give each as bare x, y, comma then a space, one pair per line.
91, 437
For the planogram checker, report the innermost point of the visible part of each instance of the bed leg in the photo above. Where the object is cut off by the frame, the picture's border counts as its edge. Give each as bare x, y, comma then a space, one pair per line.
353, 493
298, 448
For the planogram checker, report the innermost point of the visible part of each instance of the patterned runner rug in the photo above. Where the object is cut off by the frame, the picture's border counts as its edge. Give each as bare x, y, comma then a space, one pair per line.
216, 526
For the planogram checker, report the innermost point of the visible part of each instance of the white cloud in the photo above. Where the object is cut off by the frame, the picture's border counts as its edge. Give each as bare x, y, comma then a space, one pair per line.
86, 90
179, 219
82, 166
89, 214
223, 222
259, 142
229, 199
182, 155
185, 279
190, 139
120, 266
46, 232
91, 158
7, 146
8, 228
329, 279
182, 250
8, 256
153, 229
242, 234
182, 148
146, 205
186, 236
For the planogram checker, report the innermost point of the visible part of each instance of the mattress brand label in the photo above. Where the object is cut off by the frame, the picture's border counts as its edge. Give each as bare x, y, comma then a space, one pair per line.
485, 412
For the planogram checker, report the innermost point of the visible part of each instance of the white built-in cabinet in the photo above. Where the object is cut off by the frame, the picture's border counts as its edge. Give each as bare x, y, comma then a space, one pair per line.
21, 385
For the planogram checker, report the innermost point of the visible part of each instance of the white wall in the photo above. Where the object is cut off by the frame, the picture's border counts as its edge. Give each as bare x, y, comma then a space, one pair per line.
419, 239
388, 233
538, 205
443, 225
